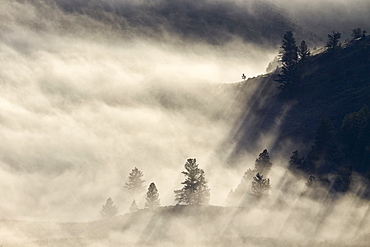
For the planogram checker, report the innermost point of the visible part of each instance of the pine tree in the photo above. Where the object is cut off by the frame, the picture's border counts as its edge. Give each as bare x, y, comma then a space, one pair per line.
109, 210
363, 34
289, 59
195, 190
263, 164
244, 185
260, 185
135, 182
152, 197
303, 52
333, 42
296, 163
133, 207
356, 33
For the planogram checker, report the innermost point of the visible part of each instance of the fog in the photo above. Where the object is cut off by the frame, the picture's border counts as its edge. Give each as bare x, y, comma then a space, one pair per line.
83, 102
79, 110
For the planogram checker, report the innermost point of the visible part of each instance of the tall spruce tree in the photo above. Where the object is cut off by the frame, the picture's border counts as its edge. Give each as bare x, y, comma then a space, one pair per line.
289, 59
109, 210
195, 190
263, 164
152, 197
135, 182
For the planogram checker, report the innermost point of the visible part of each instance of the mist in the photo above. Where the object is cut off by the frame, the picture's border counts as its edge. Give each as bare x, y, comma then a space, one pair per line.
88, 93
81, 109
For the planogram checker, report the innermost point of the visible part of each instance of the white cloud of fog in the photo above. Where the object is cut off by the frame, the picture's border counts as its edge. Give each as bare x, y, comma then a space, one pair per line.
78, 112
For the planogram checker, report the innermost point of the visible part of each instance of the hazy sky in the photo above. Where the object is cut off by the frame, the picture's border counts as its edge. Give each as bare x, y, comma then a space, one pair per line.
81, 104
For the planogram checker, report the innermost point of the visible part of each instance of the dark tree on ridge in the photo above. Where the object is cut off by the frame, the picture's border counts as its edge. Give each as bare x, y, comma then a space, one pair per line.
356, 33
289, 59
333, 42
303, 52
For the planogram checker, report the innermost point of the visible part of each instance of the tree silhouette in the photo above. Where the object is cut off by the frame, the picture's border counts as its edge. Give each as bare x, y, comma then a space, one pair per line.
303, 51
135, 182
333, 42
263, 164
289, 59
133, 207
260, 185
356, 33
297, 164
152, 197
363, 34
195, 190
109, 210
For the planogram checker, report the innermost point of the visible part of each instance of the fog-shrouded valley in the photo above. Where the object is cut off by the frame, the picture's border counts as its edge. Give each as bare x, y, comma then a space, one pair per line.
184, 123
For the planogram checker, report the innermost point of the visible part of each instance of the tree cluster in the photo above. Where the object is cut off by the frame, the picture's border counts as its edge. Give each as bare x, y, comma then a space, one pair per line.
293, 60
253, 186
336, 155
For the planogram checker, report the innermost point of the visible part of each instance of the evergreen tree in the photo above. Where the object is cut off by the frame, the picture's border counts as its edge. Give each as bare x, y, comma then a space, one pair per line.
363, 34
133, 207
244, 185
195, 190
303, 52
356, 33
109, 210
263, 164
333, 42
152, 197
260, 185
296, 163
135, 182
289, 59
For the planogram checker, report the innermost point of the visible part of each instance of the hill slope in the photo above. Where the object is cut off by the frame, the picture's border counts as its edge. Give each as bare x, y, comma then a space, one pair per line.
331, 86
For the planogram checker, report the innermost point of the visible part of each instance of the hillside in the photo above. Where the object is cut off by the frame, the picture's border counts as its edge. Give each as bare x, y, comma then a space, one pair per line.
331, 87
